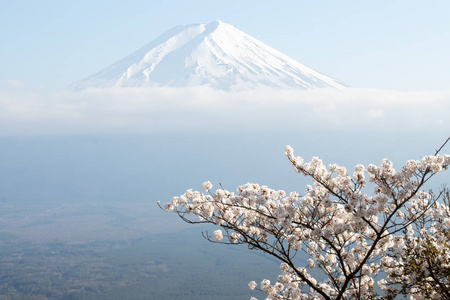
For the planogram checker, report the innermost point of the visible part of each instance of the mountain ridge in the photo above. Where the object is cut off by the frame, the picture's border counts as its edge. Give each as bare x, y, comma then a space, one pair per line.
216, 54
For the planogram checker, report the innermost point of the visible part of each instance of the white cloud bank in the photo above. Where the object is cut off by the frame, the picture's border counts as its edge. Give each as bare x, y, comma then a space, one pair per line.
138, 110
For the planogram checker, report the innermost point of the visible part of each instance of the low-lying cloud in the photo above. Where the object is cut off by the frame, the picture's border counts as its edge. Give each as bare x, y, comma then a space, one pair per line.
141, 110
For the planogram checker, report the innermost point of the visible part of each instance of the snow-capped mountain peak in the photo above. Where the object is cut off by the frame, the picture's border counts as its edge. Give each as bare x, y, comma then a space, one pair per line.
214, 54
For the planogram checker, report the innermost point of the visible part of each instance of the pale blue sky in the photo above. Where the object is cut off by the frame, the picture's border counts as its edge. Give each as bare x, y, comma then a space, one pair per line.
401, 45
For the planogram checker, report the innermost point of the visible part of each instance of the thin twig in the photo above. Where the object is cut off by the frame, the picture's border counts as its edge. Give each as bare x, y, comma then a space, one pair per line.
439, 150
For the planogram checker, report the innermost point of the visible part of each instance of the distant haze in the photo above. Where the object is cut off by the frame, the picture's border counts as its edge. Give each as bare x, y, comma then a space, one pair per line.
202, 109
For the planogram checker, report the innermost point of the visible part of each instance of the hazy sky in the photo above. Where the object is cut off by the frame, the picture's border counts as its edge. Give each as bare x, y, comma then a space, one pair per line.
384, 44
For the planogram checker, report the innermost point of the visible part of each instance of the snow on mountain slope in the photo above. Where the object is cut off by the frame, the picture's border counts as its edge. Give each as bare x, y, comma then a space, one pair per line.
214, 54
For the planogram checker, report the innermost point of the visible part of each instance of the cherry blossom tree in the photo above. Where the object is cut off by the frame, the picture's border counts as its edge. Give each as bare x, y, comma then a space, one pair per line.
423, 269
355, 228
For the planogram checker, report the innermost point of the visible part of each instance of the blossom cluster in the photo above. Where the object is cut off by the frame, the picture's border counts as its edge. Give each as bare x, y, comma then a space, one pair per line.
350, 236
423, 269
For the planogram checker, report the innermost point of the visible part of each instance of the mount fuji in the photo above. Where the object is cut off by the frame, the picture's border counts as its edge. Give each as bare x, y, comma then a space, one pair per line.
214, 54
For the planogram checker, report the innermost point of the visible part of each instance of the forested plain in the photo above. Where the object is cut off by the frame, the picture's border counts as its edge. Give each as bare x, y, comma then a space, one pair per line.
162, 266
